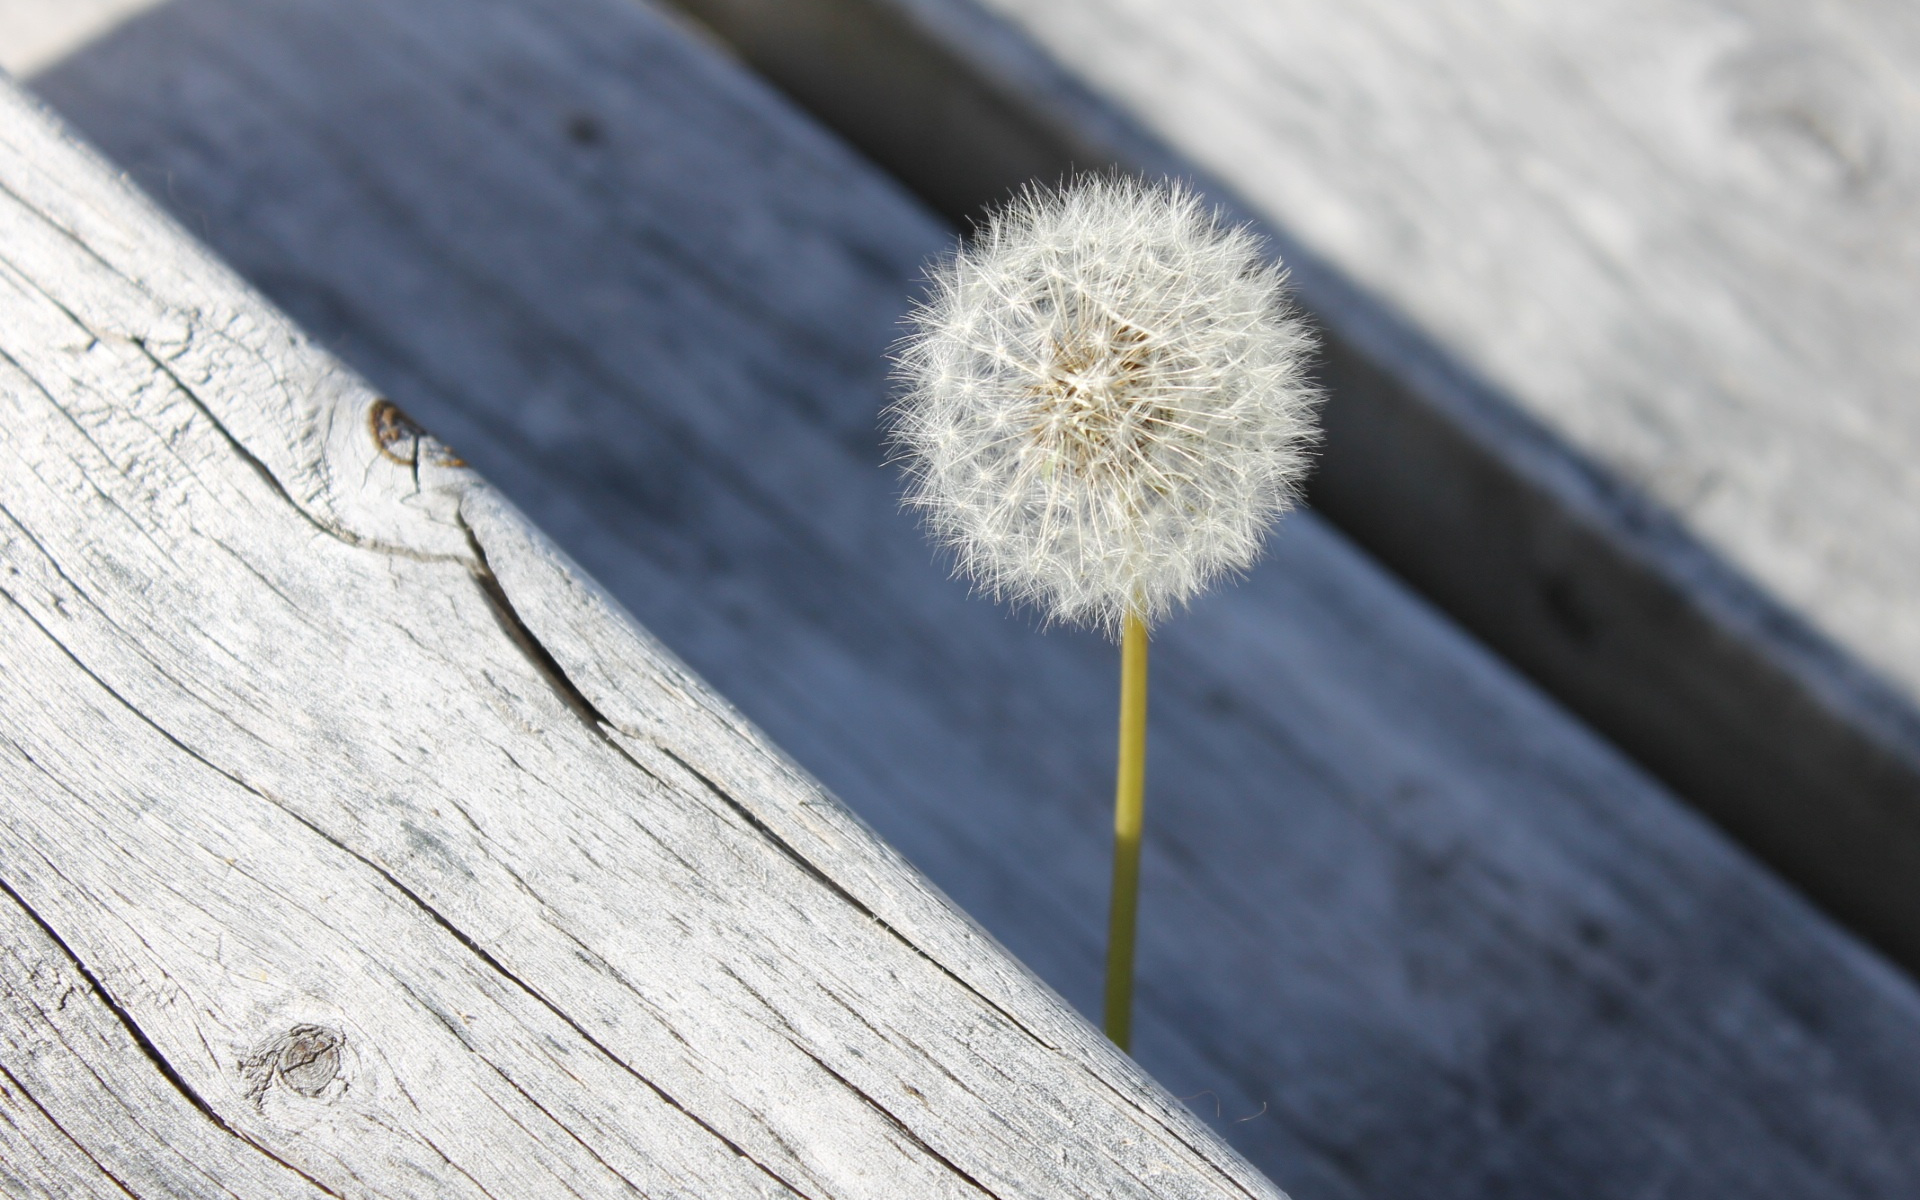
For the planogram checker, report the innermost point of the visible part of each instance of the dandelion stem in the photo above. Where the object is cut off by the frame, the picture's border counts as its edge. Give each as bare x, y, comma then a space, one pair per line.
1129, 816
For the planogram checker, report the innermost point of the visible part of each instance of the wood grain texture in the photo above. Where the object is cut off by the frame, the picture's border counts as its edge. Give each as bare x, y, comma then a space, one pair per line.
323, 877
1408, 930
1401, 164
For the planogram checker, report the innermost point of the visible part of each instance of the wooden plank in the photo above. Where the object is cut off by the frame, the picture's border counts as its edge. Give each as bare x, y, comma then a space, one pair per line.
1582, 274
34, 33
324, 876
1412, 929
83, 1112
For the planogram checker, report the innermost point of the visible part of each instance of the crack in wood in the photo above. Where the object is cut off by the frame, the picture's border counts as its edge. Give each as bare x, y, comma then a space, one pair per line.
832, 885
893, 1120
54, 1121
331, 529
530, 646
494, 964
139, 1035
530, 1098
411, 896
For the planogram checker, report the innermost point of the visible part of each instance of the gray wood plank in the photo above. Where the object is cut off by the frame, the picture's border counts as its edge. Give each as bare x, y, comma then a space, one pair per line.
1606, 298
34, 33
1410, 926
322, 876
83, 1112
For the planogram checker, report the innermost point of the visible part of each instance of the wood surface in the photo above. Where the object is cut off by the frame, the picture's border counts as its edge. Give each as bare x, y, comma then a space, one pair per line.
1608, 297
353, 844
1409, 930
34, 33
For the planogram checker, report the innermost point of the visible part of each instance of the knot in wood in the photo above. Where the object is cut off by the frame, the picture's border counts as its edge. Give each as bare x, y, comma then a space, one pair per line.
1813, 112
401, 439
305, 1060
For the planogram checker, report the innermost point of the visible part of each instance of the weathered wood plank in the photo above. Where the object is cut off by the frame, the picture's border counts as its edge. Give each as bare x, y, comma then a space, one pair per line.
1581, 274
84, 1112
386, 903
34, 33
1419, 928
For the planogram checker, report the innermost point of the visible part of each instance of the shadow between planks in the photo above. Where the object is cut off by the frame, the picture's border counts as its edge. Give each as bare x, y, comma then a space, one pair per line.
1798, 749
1410, 929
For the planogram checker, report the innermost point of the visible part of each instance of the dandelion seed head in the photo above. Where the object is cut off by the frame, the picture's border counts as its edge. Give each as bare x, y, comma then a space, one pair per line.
1102, 401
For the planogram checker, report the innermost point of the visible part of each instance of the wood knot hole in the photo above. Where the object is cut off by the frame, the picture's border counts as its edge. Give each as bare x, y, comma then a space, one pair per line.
1816, 115
402, 440
311, 1059
305, 1060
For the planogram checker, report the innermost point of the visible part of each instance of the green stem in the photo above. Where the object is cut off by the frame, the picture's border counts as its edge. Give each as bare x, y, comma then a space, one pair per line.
1129, 817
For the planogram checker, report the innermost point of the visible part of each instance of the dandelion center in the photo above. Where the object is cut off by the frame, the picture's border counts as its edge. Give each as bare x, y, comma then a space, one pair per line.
1094, 413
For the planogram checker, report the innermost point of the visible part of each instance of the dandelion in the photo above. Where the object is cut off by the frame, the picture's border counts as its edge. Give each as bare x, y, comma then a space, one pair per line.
1103, 407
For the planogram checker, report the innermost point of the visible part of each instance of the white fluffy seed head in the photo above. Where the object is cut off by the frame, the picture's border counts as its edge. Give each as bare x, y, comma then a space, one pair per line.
1103, 402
